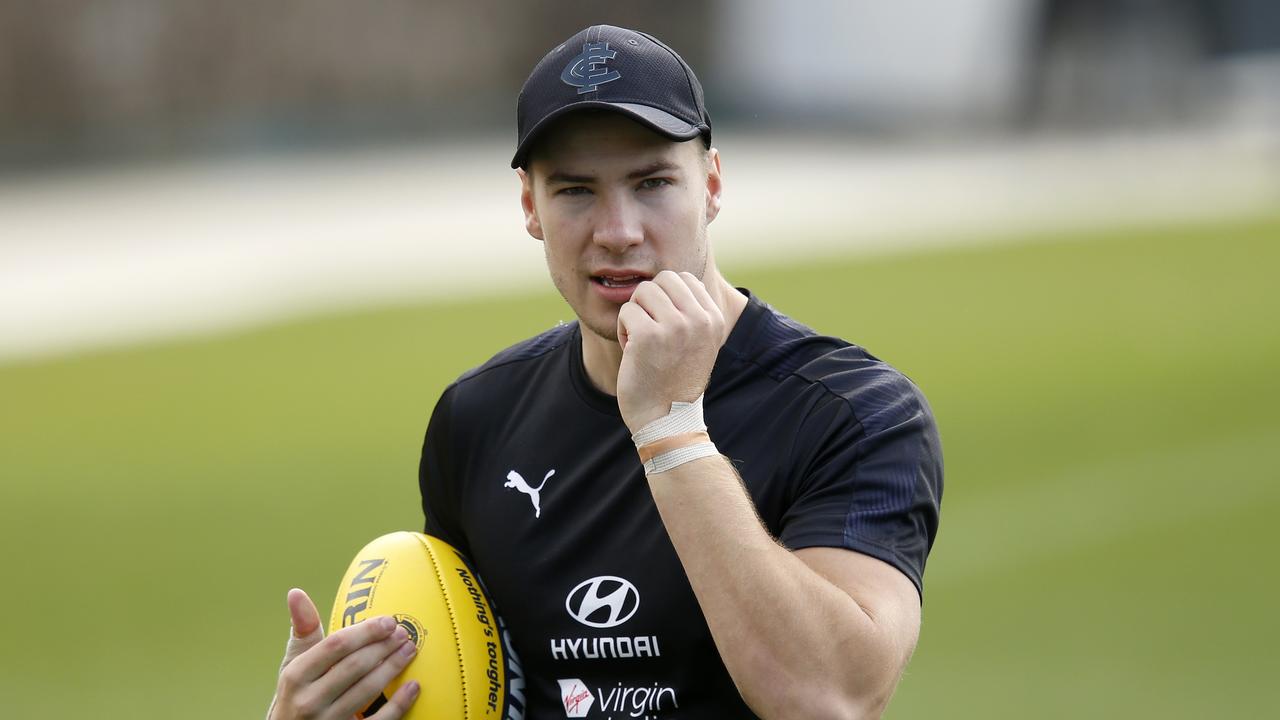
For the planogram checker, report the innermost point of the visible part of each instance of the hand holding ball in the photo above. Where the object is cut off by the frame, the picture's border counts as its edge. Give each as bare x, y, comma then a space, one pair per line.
432, 593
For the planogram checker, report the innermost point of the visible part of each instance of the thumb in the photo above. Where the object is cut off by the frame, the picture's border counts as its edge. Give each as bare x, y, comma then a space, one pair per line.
306, 631
623, 335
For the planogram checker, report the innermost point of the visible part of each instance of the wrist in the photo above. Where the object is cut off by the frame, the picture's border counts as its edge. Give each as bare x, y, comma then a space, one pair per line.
674, 439
638, 419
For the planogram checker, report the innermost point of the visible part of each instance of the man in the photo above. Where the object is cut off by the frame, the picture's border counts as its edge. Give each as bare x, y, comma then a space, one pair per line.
684, 504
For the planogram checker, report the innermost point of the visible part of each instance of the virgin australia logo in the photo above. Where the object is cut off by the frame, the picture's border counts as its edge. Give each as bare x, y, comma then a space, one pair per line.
514, 480
576, 697
588, 71
603, 602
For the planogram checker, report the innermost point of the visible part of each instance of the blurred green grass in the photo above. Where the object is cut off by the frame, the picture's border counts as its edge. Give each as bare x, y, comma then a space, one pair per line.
1107, 405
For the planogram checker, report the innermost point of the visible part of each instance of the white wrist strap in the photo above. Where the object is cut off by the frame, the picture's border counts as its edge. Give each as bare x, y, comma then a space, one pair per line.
684, 419
679, 456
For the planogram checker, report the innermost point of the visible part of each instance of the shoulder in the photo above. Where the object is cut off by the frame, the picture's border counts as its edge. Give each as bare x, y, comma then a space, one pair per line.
839, 373
522, 355
513, 367
875, 394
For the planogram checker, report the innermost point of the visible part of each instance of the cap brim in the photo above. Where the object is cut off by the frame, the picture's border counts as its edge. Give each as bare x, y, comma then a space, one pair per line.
659, 121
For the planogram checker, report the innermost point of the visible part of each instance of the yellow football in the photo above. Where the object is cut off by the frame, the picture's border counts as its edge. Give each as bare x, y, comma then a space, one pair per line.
429, 588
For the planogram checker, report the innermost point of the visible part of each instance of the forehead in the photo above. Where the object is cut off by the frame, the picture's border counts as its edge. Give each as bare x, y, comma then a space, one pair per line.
602, 139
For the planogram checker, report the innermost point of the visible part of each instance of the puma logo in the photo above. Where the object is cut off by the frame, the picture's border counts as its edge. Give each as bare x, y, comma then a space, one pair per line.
514, 480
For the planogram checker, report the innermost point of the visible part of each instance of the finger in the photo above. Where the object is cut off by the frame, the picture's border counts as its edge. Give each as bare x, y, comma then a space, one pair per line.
700, 293
305, 630
653, 298
631, 319
350, 669
678, 291
399, 703
358, 696
303, 613
316, 662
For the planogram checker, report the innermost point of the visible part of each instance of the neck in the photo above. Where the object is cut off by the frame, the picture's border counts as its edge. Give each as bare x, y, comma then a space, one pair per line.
601, 356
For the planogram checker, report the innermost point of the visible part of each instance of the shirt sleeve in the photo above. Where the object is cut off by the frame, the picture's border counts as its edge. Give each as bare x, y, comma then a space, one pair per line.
437, 476
869, 474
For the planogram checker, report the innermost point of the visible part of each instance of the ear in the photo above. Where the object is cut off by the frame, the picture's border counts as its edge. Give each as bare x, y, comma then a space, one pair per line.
531, 222
714, 184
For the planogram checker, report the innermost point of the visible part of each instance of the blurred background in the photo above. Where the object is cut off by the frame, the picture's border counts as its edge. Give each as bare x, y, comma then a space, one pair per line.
244, 246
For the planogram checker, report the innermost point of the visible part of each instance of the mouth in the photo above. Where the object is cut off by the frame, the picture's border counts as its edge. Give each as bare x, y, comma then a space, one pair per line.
618, 281
616, 286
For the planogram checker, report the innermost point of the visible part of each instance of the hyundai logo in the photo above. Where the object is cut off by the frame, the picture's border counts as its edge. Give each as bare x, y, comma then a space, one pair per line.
603, 602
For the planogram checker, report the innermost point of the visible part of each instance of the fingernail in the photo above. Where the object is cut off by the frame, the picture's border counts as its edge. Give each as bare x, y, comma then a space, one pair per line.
408, 649
400, 633
387, 624
413, 688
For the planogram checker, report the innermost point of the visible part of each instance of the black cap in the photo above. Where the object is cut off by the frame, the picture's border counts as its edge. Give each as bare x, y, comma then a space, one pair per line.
612, 68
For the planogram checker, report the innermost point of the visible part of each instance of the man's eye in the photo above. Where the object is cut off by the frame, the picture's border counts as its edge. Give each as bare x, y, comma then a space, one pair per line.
575, 190
653, 183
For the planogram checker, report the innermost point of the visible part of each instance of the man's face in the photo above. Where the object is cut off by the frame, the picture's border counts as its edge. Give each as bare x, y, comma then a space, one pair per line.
615, 203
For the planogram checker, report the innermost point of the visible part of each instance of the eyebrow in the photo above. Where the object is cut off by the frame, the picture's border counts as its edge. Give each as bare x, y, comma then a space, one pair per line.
658, 166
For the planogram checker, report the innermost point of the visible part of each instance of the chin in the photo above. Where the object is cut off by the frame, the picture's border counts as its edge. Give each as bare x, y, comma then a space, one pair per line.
603, 324
608, 332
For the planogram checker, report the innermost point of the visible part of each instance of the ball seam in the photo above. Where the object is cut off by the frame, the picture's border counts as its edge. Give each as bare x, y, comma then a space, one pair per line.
453, 622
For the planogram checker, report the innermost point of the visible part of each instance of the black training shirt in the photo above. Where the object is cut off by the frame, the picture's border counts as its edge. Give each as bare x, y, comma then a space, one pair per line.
528, 469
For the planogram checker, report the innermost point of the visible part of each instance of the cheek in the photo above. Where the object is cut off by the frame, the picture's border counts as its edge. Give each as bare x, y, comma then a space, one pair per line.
559, 225
693, 202
561, 253
555, 254
680, 215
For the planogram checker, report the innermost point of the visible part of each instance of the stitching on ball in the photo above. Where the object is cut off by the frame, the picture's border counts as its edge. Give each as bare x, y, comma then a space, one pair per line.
453, 620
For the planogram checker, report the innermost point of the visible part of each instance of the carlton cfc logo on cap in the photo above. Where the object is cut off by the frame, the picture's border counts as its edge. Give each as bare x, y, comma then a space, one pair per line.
588, 71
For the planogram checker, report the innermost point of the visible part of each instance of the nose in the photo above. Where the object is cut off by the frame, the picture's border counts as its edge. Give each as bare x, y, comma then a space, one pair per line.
618, 225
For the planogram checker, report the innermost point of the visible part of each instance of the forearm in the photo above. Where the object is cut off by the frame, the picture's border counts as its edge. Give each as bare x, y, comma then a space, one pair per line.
795, 644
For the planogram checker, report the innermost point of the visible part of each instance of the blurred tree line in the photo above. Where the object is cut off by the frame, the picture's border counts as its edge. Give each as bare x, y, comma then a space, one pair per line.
87, 77
83, 79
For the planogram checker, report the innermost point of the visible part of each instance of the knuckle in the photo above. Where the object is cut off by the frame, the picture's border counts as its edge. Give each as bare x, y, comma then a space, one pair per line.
389, 649
402, 704
359, 664
386, 671
307, 707
288, 680
400, 660
393, 710
339, 643
373, 683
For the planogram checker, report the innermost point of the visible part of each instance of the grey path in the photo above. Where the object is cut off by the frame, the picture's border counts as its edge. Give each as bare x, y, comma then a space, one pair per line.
125, 255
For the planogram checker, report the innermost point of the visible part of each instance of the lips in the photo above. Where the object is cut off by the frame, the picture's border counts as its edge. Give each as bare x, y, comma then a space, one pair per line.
619, 278
617, 285
623, 281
